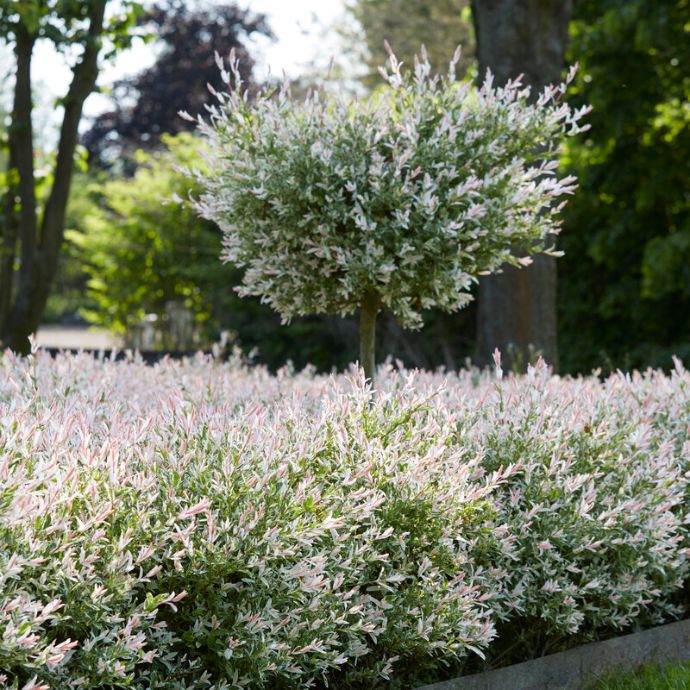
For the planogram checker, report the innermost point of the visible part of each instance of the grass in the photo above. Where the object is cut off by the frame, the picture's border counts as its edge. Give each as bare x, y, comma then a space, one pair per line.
672, 677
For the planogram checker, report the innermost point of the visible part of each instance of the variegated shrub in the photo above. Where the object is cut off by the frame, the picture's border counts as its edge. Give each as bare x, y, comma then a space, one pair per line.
168, 528
595, 507
204, 525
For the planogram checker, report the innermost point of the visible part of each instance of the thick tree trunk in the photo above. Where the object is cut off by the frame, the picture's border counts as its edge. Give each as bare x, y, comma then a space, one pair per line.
367, 335
9, 229
9, 232
40, 248
517, 309
20, 204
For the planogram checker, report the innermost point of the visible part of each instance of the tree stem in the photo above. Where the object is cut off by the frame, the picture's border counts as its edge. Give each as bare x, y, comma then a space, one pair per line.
367, 334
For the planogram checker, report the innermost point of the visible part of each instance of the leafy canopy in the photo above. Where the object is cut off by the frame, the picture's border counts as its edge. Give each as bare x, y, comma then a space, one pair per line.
66, 22
624, 285
144, 106
140, 253
408, 195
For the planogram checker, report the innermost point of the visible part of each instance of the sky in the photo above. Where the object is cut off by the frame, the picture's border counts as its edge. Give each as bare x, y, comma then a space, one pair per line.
300, 28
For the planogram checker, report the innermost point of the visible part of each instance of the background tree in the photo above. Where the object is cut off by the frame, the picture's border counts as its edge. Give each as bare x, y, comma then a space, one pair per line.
29, 247
624, 295
394, 204
440, 25
145, 106
139, 252
517, 309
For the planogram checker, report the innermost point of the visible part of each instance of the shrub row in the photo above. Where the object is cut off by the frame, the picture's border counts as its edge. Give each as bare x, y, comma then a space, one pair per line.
199, 525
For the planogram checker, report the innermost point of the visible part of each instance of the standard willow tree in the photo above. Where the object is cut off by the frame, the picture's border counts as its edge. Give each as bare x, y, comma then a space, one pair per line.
398, 202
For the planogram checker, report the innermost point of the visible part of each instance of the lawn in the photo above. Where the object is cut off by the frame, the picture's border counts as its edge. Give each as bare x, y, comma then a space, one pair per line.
672, 677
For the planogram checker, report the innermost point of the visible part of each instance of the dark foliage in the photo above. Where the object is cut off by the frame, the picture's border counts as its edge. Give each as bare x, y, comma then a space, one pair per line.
624, 282
146, 105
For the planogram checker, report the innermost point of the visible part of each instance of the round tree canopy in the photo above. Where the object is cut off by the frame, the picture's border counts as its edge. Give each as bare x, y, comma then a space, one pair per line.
408, 195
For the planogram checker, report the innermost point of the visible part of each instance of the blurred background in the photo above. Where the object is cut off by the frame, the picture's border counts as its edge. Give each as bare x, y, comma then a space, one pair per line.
134, 272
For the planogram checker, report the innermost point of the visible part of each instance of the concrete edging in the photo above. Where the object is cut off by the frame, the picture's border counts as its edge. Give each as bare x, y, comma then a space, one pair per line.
574, 669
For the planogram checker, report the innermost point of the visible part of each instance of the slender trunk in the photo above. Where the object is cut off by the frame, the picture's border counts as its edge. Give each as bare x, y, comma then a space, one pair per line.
40, 250
367, 335
517, 309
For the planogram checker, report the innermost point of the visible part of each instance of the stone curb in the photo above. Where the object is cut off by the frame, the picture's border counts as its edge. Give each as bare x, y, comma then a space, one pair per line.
574, 669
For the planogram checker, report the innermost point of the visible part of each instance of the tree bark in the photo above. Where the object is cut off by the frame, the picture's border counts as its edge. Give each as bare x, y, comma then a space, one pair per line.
517, 308
9, 229
367, 335
40, 247
20, 205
